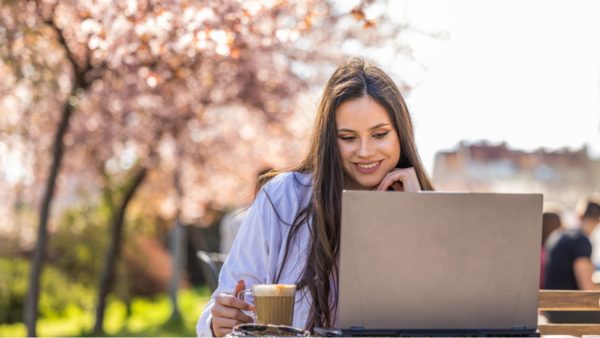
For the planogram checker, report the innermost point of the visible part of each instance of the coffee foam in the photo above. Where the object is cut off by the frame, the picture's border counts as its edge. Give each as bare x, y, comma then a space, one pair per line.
272, 290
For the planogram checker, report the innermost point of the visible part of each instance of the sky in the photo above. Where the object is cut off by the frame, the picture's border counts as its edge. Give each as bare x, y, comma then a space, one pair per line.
523, 72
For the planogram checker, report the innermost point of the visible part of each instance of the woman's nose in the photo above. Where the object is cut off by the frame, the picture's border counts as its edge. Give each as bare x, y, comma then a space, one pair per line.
366, 149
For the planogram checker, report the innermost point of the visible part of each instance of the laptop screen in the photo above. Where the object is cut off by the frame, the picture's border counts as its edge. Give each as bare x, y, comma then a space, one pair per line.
439, 260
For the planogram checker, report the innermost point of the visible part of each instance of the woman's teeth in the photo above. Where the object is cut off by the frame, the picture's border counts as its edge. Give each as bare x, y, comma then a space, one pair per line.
367, 166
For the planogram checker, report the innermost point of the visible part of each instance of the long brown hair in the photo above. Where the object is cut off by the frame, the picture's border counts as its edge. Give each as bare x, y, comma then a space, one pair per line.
352, 80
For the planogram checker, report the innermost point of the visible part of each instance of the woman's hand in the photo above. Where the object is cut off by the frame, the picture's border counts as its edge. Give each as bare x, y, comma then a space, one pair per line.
227, 311
400, 180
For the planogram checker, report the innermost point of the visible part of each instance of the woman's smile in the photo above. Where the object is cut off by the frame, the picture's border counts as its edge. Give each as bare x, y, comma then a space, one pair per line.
368, 167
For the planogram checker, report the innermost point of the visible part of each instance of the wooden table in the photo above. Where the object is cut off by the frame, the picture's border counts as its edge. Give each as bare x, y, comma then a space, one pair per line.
555, 300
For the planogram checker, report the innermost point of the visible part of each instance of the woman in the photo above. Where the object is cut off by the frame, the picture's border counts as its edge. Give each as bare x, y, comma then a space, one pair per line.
362, 140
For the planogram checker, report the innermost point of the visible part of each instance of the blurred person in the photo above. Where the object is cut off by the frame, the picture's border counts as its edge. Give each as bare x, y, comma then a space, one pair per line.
594, 238
551, 224
569, 265
363, 139
231, 222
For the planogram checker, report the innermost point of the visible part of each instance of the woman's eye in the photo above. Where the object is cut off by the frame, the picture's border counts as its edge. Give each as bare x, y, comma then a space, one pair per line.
380, 135
348, 138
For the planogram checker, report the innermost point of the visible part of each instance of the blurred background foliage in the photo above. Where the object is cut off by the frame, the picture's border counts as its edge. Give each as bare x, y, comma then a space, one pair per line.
144, 317
58, 292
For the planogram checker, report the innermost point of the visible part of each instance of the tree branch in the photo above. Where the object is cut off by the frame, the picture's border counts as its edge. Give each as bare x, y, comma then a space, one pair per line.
79, 74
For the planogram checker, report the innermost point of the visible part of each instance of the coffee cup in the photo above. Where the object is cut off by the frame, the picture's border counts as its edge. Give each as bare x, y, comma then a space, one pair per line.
273, 303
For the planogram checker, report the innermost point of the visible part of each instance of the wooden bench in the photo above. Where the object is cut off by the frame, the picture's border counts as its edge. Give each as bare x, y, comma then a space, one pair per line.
558, 300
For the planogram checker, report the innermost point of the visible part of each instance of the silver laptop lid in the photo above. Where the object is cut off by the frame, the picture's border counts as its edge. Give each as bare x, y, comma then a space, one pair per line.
439, 260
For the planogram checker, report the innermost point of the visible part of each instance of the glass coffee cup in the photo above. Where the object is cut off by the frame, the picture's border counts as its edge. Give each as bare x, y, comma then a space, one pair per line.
273, 303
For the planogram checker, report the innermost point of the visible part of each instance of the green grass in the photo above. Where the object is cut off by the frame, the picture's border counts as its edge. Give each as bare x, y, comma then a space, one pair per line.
149, 318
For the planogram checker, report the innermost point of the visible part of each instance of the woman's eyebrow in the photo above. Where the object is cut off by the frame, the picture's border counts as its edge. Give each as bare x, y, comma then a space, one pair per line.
353, 131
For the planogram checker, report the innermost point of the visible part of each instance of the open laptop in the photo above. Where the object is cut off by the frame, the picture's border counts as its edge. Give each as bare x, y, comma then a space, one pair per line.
439, 264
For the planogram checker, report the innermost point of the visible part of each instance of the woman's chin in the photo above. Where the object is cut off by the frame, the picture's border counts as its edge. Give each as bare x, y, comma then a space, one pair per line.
367, 185
361, 183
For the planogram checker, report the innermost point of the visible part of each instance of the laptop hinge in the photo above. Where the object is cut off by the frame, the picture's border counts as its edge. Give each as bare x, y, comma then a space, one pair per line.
357, 328
519, 328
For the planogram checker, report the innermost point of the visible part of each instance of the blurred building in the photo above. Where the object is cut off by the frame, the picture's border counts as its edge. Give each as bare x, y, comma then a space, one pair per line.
563, 176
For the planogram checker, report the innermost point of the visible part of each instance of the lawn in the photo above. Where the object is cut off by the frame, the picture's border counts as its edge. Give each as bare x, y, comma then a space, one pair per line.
148, 318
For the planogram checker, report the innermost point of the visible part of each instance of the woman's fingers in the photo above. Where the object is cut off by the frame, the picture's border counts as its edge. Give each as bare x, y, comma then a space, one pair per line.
225, 317
234, 302
232, 313
227, 311
411, 182
225, 323
389, 178
223, 326
241, 285
382, 185
407, 176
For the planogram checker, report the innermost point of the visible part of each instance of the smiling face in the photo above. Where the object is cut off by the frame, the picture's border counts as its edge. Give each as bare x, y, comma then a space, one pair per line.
368, 143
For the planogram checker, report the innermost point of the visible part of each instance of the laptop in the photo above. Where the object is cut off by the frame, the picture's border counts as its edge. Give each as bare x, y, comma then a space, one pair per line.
439, 264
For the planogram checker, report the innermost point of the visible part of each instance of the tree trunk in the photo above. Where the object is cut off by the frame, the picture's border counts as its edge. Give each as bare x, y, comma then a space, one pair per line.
113, 251
177, 244
31, 305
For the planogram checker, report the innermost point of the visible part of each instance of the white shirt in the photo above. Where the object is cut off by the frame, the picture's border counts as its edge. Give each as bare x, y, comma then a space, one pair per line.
229, 228
259, 247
